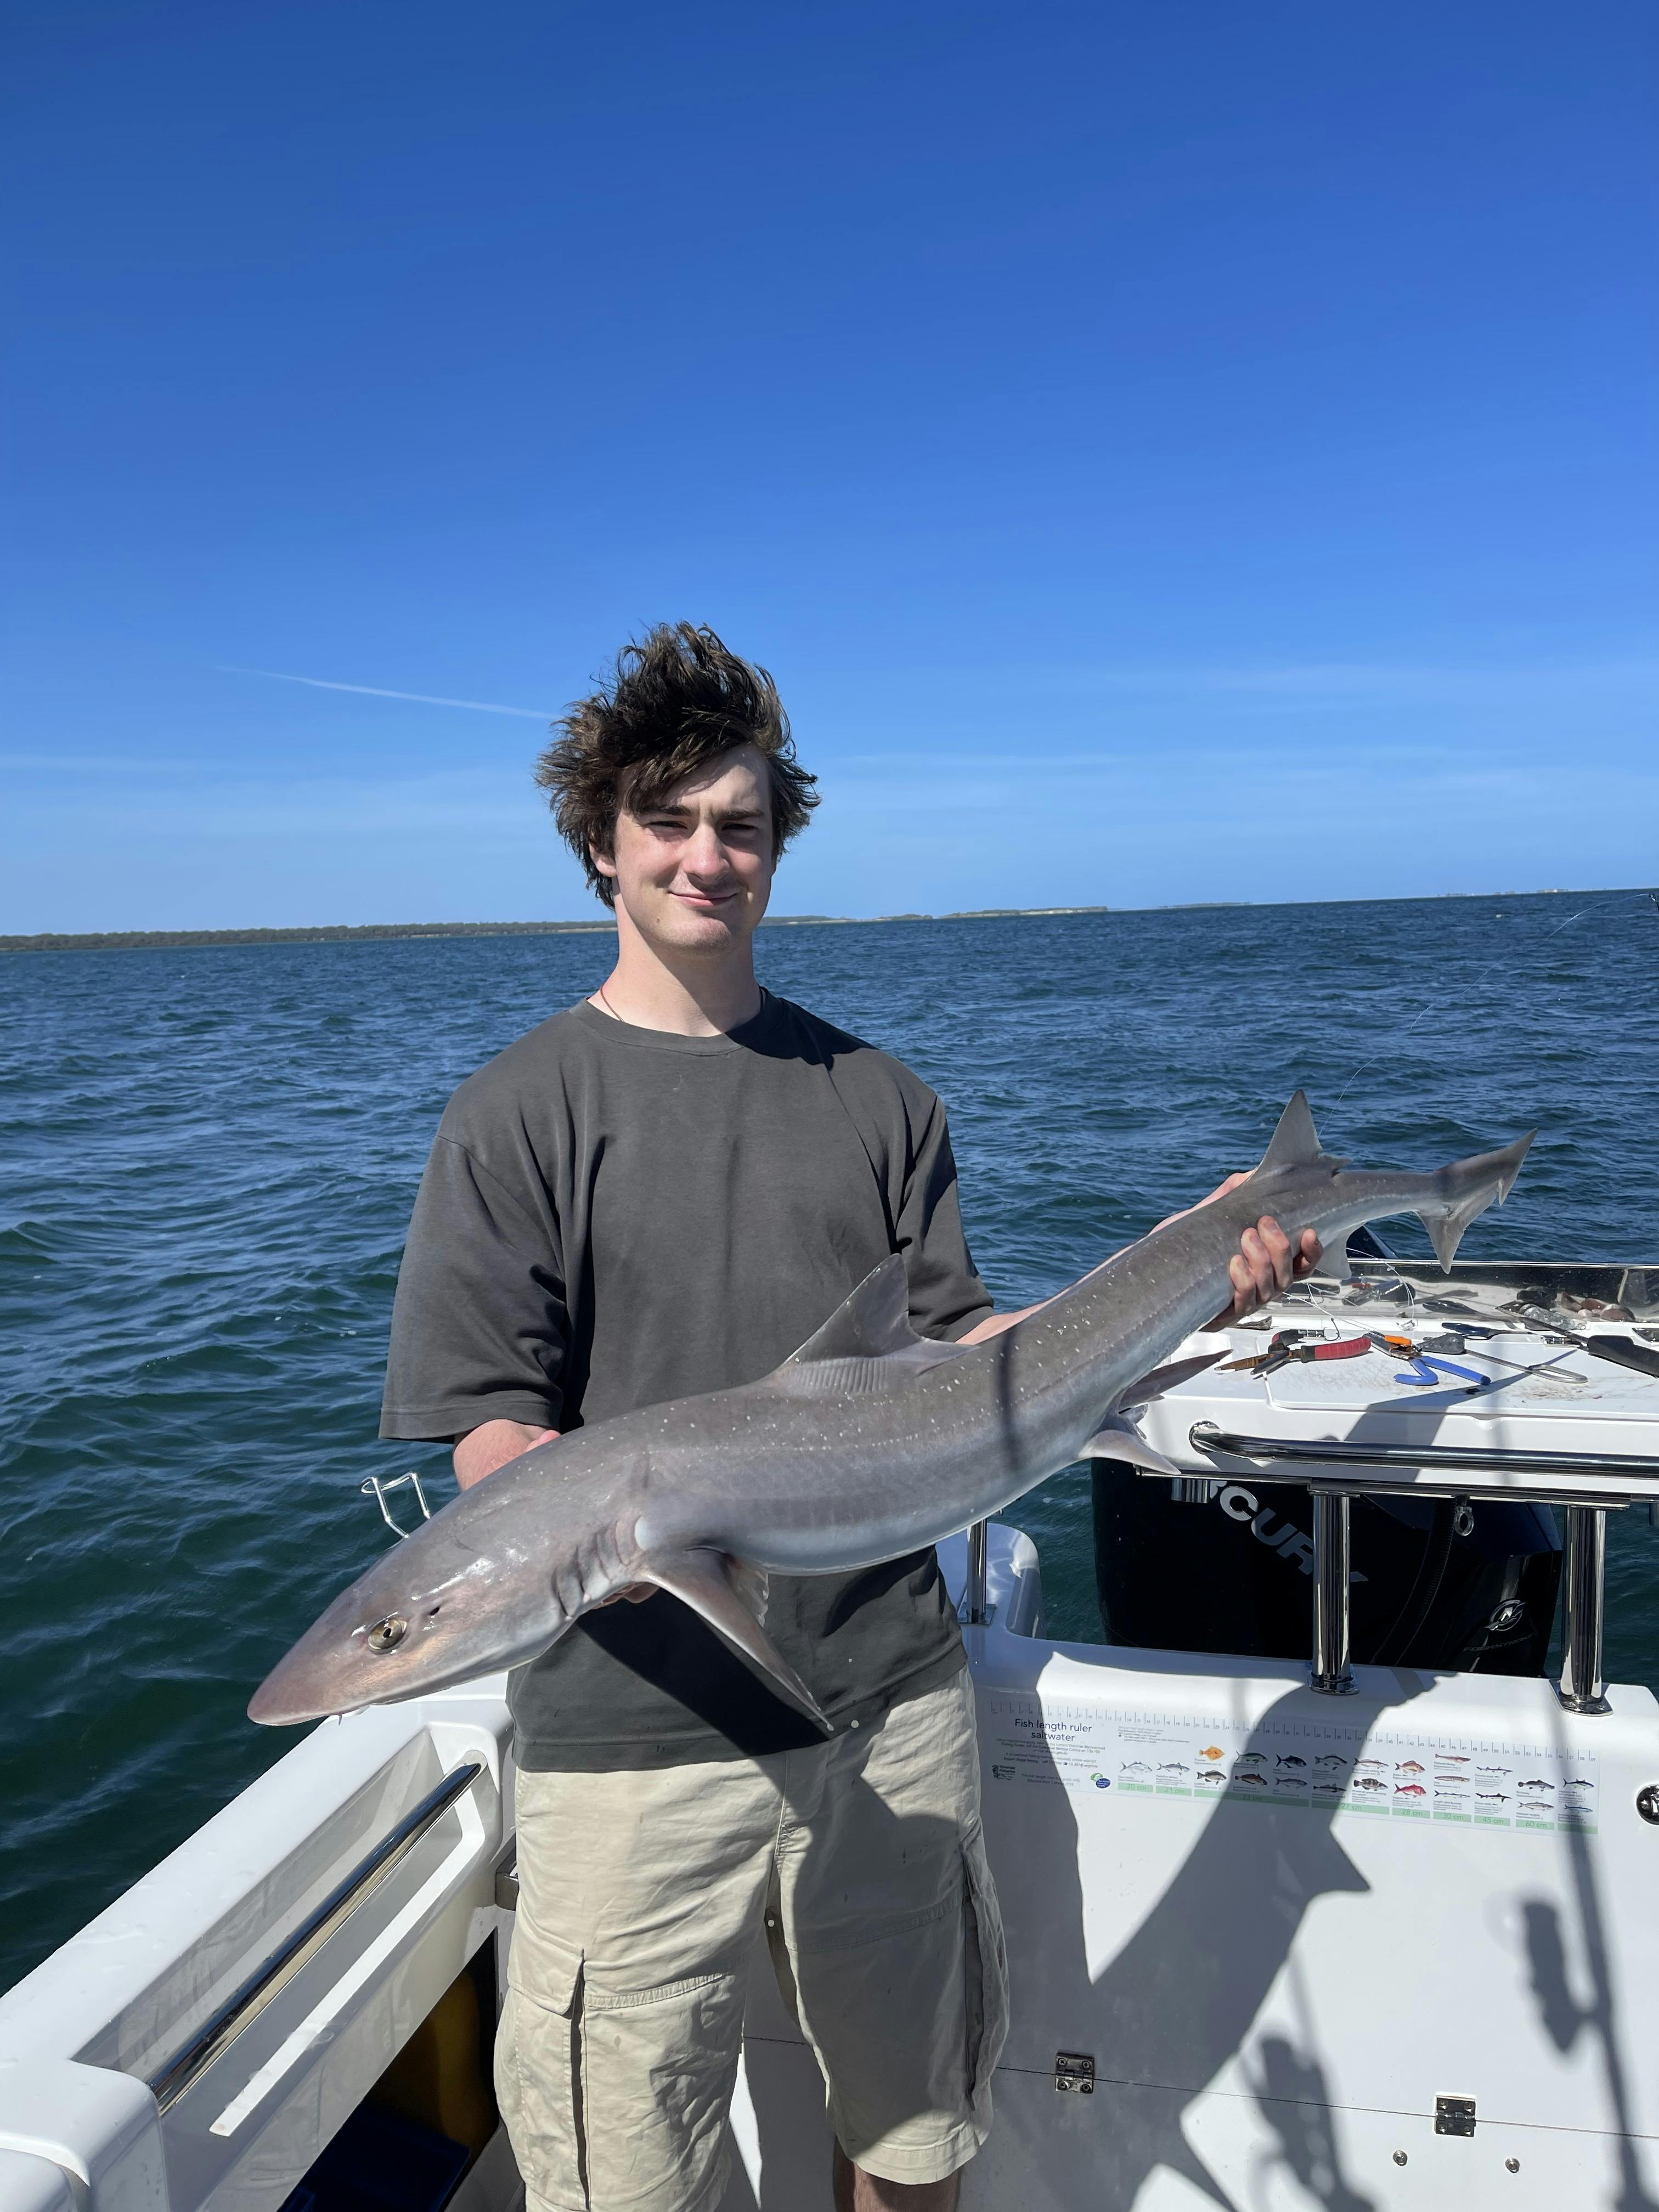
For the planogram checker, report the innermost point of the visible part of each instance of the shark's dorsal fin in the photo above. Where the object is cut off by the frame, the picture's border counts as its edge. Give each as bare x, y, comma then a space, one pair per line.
873, 1322
868, 1345
1295, 1142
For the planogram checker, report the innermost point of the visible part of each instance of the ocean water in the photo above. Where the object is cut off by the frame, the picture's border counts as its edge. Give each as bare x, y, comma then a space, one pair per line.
208, 1156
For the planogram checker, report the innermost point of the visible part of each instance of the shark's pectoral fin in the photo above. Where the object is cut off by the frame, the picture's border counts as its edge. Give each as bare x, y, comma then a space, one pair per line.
730, 1594
1118, 1440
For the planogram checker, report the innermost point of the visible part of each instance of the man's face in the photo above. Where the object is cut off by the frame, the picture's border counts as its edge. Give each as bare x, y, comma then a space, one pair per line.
694, 872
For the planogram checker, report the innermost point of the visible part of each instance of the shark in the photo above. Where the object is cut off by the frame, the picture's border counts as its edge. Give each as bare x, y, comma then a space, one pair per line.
867, 1443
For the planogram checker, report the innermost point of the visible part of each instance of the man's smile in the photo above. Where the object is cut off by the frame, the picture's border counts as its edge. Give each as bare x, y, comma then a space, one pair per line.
708, 898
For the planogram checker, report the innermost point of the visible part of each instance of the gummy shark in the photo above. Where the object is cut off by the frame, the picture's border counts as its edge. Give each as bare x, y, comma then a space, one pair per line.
867, 1443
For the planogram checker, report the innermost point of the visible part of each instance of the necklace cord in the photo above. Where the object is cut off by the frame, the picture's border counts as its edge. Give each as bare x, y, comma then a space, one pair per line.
765, 996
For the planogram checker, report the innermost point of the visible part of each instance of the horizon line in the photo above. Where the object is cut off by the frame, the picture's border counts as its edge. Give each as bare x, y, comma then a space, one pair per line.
315, 932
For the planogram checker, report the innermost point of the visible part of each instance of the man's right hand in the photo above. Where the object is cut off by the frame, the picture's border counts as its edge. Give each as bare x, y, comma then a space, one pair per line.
492, 1444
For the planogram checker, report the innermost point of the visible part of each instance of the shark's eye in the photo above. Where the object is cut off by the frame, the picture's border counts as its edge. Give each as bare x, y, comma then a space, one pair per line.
387, 1635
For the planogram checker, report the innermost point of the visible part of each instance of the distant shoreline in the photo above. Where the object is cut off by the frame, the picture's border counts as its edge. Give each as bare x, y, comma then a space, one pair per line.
141, 941
369, 933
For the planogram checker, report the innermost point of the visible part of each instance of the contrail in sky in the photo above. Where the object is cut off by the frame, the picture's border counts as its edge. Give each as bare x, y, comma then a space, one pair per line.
378, 691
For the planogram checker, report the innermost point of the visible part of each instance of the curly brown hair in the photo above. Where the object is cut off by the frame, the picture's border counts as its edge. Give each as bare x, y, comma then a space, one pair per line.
678, 700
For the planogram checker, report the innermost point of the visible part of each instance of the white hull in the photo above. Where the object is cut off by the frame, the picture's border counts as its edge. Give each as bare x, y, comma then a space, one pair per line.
1275, 1993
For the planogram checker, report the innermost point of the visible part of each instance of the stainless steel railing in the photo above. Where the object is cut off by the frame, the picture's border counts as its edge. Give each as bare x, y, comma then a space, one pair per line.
1619, 1480
1583, 1583
243, 2006
975, 1596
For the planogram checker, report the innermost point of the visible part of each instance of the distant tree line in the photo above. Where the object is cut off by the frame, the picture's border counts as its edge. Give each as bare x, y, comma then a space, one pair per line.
125, 941
139, 940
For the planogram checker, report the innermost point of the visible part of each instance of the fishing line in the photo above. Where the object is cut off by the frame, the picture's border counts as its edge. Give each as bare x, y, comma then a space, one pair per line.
1380, 1057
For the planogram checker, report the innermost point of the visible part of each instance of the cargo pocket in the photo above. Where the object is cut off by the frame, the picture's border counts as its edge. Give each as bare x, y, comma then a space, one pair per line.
659, 2066
538, 2069
986, 1970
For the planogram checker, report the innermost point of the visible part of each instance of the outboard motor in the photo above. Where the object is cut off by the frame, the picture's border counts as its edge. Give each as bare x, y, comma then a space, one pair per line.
1467, 1588
1439, 1584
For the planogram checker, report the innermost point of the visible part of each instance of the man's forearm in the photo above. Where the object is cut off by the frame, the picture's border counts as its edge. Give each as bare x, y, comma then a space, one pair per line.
492, 1444
993, 1324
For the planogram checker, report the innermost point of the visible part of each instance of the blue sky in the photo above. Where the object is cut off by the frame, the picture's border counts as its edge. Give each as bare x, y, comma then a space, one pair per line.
1164, 454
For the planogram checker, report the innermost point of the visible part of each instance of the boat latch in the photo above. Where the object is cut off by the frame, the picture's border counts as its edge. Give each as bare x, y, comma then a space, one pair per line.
1074, 2073
506, 1885
1453, 2116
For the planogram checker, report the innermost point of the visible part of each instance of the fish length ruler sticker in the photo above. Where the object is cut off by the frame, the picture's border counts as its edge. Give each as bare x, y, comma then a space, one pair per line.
1394, 1774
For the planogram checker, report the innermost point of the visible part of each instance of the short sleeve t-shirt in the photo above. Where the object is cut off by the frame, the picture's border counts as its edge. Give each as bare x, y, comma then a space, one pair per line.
613, 1217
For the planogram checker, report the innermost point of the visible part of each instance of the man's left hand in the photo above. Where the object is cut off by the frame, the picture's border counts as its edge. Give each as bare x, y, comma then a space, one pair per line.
1265, 1263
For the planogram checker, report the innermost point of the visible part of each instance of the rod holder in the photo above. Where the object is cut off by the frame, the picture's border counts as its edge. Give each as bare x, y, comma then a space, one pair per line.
974, 1593
1331, 1672
1583, 1592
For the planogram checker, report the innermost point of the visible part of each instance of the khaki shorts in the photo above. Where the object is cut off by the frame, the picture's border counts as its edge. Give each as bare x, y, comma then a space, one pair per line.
641, 1897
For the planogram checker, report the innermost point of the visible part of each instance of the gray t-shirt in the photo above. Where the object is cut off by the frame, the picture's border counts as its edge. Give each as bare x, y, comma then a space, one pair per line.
613, 1217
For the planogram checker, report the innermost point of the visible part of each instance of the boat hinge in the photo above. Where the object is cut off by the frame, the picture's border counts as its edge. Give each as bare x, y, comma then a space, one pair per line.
1074, 2072
1453, 2116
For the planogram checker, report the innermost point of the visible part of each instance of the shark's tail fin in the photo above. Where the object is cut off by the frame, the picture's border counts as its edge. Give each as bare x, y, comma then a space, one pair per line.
1471, 1186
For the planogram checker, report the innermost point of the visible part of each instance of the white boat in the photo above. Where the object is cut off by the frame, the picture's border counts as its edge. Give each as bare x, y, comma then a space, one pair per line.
1282, 1932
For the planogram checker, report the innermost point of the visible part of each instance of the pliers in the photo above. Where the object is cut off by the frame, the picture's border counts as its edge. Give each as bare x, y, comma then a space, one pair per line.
1423, 1364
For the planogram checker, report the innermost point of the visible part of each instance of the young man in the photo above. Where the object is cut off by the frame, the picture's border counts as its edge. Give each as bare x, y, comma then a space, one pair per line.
663, 1191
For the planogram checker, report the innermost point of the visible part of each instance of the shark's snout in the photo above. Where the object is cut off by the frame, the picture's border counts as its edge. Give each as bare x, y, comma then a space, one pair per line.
383, 1638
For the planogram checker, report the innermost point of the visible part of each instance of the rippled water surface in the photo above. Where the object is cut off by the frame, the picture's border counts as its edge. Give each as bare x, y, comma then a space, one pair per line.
208, 1156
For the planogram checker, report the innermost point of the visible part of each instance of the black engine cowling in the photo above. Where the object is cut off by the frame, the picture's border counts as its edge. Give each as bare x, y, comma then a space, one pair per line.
1235, 1575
